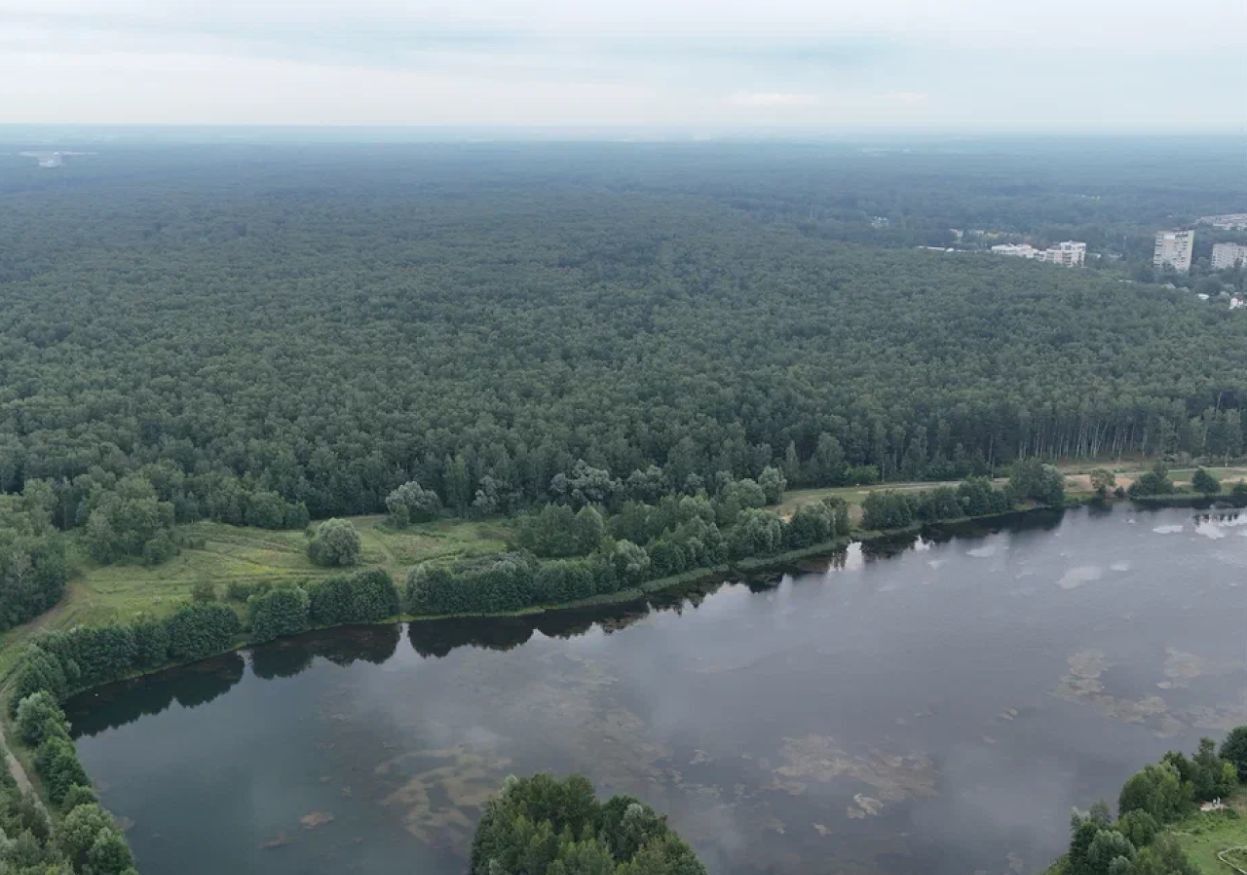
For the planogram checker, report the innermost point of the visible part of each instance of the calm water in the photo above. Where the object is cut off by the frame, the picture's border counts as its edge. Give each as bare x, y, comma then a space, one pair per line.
938, 710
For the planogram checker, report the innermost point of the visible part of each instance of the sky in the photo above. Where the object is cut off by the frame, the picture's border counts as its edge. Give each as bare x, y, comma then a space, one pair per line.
696, 66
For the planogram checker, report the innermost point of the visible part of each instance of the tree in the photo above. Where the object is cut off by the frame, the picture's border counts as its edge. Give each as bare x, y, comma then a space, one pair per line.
127, 520
1103, 482
278, 612
1234, 750
335, 543
543, 826
1032, 479
39, 717
1205, 483
1153, 482
412, 503
773, 483
1157, 790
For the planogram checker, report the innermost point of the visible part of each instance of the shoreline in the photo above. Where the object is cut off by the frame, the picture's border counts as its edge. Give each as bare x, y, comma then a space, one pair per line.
743, 571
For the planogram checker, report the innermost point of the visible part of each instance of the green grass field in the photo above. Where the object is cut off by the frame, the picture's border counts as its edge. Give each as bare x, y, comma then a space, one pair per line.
1204, 836
226, 554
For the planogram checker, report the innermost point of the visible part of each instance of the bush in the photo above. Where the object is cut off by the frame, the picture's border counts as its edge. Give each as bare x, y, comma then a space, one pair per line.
58, 766
365, 597
1032, 479
278, 612
335, 544
1154, 482
412, 503
1204, 483
1234, 750
39, 718
887, 510
199, 630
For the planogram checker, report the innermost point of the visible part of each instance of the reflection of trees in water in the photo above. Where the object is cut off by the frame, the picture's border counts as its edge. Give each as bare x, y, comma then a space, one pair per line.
121, 703
437, 638
342, 646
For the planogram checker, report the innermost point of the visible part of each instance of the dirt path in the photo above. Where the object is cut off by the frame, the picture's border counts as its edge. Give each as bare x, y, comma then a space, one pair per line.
14, 766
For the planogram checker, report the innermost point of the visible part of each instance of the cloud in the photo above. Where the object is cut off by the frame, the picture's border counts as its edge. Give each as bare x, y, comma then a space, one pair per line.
773, 99
569, 62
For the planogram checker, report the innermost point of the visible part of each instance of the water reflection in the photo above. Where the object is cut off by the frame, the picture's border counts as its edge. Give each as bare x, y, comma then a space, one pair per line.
929, 704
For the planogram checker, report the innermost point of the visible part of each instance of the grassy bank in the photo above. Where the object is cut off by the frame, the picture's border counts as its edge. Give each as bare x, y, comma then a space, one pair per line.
1207, 836
219, 555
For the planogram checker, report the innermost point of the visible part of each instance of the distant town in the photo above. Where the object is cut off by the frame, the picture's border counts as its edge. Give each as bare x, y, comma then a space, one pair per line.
1173, 255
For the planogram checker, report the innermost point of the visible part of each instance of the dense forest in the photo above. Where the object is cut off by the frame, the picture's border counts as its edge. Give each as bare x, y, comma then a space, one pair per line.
267, 335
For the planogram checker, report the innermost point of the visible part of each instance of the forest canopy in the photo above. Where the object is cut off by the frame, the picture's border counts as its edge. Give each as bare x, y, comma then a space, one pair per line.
265, 336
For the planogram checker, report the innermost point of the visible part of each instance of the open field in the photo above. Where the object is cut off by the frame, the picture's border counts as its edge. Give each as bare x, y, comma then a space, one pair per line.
1204, 836
224, 554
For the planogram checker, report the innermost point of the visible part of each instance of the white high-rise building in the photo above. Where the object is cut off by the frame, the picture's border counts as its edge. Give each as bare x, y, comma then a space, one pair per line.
1228, 255
1173, 249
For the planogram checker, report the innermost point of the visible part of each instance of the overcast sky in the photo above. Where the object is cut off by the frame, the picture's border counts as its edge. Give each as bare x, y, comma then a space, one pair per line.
712, 65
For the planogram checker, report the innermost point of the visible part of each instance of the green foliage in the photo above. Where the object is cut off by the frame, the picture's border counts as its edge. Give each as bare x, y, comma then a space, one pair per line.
127, 520
56, 761
772, 482
556, 531
335, 543
278, 612
489, 584
1103, 482
543, 826
33, 569
198, 630
39, 718
1158, 790
412, 503
887, 509
363, 597
978, 497
1032, 480
1205, 483
1234, 750
1153, 482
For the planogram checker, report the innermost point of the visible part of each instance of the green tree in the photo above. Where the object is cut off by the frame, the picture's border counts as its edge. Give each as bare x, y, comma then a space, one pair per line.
1153, 482
1205, 483
1234, 750
1103, 482
278, 612
335, 543
1156, 789
39, 717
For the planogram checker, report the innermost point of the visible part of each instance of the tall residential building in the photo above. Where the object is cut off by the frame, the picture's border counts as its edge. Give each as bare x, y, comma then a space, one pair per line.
1228, 255
1173, 249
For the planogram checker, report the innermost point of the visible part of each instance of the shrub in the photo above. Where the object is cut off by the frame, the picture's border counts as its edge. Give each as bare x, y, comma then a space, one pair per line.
335, 543
365, 597
278, 612
198, 630
39, 718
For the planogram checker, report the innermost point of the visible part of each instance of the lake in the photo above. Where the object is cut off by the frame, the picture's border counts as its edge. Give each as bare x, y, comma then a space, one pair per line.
937, 706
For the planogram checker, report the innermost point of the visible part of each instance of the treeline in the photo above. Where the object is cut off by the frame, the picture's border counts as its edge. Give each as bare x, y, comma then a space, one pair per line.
563, 555
322, 344
84, 838
544, 826
1029, 480
62, 663
33, 564
1136, 843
